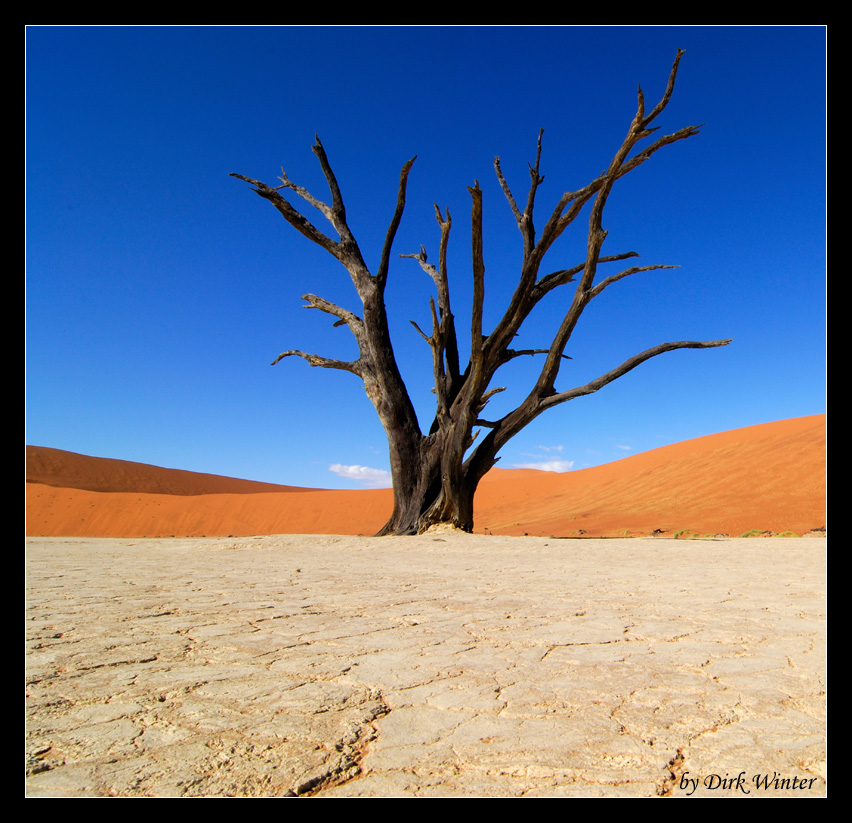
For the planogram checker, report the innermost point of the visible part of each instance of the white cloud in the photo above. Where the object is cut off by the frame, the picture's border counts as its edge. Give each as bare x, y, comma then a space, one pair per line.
548, 465
367, 477
545, 449
625, 448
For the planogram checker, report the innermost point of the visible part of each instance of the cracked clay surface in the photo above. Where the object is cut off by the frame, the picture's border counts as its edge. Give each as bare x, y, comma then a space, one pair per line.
439, 665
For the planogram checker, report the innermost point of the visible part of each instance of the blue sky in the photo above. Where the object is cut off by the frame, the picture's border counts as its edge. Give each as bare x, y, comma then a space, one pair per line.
159, 289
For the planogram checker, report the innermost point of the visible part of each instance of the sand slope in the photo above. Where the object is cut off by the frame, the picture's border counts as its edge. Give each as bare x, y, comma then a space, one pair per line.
54, 467
766, 477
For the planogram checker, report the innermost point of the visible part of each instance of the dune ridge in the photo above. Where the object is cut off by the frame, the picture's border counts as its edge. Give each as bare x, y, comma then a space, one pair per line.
769, 477
55, 467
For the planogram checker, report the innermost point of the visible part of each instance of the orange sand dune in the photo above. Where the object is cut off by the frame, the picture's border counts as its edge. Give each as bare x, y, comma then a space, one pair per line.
767, 477
54, 467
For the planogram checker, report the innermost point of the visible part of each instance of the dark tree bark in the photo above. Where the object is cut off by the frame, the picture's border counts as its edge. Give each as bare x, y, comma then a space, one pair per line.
433, 481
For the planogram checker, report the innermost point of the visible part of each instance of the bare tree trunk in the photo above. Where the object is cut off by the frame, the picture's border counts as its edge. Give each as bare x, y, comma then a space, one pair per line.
432, 489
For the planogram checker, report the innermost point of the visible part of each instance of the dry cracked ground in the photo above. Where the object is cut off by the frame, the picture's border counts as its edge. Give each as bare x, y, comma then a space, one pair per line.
439, 665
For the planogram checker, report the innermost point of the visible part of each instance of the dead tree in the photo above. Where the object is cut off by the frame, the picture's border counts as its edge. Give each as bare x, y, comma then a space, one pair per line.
433, 479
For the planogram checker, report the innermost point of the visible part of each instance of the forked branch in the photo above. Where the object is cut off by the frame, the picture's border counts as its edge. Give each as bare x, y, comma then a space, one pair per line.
560, 278
297, 220
345, 316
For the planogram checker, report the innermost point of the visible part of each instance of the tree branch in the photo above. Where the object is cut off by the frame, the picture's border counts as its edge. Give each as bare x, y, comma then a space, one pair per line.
528, 291
508, 192
448, 323
478, 280
338, 210
346, 317
664, 101
535, 404
560, 278
561, 219
420, 331
382, 271
622, 274
346, 250
445, 346
324, 362
442, 280
286, 183
489, 394
511, 354
422, 258
524, 220
626, 366
619, 165
376, 364
666, 140
297, 220
536, 179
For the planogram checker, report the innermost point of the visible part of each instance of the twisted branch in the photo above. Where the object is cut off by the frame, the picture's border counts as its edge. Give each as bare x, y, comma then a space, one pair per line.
325, 362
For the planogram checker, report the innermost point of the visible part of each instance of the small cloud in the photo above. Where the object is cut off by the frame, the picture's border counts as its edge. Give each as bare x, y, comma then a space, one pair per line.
625, 448
548, 465
367, 477
545, 449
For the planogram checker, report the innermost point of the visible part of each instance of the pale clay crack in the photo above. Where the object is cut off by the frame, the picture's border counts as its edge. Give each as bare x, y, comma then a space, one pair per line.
590, 643
351, 749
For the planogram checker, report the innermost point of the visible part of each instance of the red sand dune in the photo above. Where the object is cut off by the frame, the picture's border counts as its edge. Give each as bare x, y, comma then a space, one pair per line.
769, 477
54, 467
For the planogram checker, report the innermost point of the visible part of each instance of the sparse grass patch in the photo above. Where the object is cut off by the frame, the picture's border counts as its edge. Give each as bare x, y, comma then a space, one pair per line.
752, 533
